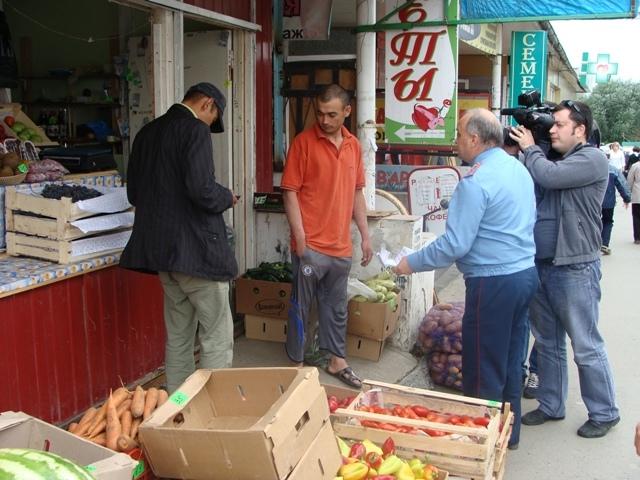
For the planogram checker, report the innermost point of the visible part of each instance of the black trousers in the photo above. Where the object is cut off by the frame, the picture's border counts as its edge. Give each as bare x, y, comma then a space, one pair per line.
635, 212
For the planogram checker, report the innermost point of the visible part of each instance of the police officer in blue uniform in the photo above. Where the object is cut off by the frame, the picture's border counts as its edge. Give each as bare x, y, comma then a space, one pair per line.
489, 234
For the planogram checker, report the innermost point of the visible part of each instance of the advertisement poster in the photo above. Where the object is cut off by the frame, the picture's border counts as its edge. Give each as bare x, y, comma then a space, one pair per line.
430, 191
421, 70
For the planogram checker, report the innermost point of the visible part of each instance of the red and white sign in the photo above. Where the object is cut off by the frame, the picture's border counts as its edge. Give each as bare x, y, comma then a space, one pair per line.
421, 75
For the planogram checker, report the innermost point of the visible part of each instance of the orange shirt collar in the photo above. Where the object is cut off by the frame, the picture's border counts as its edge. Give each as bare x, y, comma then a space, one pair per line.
320, 134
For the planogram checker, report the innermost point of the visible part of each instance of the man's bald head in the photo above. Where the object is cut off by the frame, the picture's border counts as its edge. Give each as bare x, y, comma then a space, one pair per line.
484, 124
478, 130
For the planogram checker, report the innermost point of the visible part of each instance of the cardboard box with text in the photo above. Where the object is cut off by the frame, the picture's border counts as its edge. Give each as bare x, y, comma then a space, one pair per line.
259, 297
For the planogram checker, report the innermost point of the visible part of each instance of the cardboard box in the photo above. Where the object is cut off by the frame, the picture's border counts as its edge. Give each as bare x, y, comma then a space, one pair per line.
265, 328
19, 430
364, 347
322, 459
373, 320
236, 424
259, 297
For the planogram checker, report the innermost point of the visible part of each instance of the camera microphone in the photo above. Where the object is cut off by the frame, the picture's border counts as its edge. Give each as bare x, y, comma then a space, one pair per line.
510, 111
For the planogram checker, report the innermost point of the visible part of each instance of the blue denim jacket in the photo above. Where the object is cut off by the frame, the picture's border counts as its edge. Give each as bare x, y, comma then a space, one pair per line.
490, 222
616, 181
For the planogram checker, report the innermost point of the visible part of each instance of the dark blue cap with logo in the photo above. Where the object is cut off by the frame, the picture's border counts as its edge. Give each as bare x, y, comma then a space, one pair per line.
212, 91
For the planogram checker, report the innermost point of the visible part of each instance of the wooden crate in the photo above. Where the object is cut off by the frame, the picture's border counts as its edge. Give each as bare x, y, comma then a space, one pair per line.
59, 251
47, 217
482, 458
63, 209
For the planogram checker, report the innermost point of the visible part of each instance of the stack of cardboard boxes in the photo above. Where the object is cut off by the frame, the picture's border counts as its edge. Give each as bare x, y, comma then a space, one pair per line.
266, 308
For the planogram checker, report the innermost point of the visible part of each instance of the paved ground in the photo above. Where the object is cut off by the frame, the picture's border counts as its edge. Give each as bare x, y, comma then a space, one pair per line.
551, 451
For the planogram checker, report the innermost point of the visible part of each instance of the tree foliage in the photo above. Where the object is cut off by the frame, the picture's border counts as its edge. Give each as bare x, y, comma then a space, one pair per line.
616, 108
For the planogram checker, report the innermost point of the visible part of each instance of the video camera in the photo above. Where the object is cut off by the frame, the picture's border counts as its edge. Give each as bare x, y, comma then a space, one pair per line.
535, 116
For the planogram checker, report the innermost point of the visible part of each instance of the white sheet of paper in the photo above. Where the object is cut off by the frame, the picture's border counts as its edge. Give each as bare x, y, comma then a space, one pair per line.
388, 259
113, 200
103, 223
99, 244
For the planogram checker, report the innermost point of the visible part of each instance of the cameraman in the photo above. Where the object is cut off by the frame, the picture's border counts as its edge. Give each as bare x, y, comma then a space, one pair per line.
567, 236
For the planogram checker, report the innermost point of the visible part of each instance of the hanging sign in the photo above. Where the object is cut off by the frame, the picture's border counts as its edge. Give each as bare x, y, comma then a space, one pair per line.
421, 70
528, 70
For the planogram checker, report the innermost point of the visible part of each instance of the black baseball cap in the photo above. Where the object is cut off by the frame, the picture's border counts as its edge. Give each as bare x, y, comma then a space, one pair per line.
212, 91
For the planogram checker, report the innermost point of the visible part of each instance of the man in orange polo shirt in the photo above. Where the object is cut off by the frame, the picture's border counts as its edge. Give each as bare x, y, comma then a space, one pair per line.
322, 189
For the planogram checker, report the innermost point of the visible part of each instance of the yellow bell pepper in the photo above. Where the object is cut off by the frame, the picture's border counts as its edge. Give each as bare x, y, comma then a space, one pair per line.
405, 472
353, 471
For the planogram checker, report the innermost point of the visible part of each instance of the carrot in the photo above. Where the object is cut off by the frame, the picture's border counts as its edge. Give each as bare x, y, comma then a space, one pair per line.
150, 402
124, 407
73, 427
100, 439
126, 420
99, 429
163, 396
126, 443
114, 428
135, 424
119, 396
88, 416
137, 404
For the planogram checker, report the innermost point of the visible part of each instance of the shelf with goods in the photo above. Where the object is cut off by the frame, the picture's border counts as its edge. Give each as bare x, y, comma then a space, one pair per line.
61, 102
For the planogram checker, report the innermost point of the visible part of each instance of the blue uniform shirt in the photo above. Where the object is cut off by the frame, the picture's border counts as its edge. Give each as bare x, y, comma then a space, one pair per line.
490, 221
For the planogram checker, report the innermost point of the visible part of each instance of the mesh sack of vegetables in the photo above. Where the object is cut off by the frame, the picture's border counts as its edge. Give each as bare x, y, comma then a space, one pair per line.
441, 328
446, 369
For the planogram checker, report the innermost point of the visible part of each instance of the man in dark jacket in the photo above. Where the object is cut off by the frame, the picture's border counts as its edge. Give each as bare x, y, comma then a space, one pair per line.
179, 231
568, 239
616, 181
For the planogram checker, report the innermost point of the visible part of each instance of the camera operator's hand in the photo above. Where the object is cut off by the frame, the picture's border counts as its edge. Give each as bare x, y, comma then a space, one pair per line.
522, 136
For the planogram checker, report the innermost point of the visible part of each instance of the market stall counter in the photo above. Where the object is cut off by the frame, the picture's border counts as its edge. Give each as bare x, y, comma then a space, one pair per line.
70, 332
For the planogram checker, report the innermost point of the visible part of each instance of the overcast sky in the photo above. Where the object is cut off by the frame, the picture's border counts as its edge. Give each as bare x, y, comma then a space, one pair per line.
618, 38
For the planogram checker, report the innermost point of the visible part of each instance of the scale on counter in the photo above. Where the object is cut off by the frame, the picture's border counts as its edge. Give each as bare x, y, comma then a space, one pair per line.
82, 159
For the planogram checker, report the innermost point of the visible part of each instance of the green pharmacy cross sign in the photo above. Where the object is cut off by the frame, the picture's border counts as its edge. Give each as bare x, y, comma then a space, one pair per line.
602, 68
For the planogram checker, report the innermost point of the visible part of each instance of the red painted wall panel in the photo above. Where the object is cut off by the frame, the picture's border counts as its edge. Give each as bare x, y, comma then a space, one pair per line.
64, 345
264, 97
233, 8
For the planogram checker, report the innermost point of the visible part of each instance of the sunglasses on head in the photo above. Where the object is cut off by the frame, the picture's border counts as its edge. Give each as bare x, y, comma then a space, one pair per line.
572, 105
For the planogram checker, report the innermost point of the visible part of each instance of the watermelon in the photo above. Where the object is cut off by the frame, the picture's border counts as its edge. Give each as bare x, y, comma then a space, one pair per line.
28, 464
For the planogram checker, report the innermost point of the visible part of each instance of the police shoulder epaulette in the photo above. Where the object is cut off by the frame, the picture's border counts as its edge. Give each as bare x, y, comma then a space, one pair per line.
472, 170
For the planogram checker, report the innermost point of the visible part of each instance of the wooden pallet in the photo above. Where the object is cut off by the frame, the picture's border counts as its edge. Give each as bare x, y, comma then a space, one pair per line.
469, 452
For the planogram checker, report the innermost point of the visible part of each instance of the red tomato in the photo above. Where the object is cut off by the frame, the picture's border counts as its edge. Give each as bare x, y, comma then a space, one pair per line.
420, 410
482, 421
9, 120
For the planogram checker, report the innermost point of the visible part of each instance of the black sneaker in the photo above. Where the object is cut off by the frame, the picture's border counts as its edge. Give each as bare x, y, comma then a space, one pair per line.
591, 429
538, 417
532, 386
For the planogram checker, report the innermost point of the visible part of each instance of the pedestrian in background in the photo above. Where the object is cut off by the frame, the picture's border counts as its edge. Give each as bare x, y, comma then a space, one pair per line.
179, 231
633, 158
489, 234
568, 239
616, 181
616, 156
633, 179
322, 189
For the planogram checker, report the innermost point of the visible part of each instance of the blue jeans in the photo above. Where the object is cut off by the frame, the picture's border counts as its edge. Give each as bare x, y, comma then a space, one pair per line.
567, 304
493, 337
